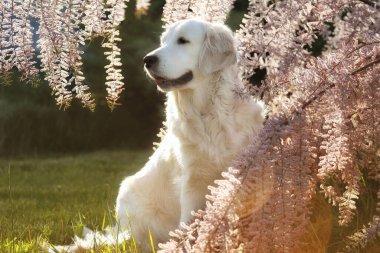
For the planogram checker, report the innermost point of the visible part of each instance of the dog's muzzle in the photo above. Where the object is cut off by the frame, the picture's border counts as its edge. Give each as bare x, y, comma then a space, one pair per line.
151, 61
165, 83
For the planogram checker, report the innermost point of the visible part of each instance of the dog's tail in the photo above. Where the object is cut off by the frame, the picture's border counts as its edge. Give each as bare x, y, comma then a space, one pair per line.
96, 241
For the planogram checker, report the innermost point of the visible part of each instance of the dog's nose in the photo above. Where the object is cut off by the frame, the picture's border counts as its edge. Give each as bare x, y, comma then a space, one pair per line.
150, 60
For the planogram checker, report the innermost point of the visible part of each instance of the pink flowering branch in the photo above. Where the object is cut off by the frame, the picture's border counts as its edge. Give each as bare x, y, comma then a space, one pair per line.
114, 77
64, 27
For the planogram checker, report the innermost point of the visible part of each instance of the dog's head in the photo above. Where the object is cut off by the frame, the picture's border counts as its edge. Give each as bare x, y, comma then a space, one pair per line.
190, 50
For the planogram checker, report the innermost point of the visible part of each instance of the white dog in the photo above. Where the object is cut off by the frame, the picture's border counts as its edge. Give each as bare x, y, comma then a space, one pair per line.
208, 123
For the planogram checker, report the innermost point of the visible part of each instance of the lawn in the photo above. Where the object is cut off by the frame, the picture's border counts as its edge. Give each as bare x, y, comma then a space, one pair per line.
51, 197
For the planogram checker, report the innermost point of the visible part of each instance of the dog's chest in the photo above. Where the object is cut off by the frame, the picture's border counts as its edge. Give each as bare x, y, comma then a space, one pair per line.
208, 140
211, 131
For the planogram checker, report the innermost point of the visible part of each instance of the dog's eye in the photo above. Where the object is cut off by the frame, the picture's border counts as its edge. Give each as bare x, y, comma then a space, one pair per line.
182, 40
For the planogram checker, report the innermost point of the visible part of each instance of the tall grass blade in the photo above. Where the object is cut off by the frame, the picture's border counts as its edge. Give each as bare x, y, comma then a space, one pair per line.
151, 242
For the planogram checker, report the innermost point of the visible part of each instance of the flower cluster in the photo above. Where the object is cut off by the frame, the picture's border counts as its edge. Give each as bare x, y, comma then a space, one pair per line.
16, 33
64, 27
211, 11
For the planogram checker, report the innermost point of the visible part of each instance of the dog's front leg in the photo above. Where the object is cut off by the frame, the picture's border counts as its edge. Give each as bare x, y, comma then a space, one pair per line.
193, 193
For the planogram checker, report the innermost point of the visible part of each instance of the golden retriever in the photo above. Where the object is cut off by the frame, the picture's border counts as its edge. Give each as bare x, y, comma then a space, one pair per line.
208, 122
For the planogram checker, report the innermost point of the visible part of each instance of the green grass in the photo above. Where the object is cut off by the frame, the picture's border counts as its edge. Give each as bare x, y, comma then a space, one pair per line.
52, 197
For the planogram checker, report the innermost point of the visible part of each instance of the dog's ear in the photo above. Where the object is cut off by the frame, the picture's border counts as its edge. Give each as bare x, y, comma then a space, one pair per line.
218, 50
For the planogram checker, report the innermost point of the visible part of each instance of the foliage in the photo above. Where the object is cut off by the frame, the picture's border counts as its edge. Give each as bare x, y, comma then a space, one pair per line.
60, 38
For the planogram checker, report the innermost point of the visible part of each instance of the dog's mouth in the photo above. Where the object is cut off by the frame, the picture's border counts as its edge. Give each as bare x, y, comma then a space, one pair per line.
165, 83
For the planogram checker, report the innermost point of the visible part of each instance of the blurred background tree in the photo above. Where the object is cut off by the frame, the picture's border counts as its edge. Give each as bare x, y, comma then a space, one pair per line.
31, 122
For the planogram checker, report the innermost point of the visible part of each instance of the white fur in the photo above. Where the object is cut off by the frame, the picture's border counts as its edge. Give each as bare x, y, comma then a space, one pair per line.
208, 123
